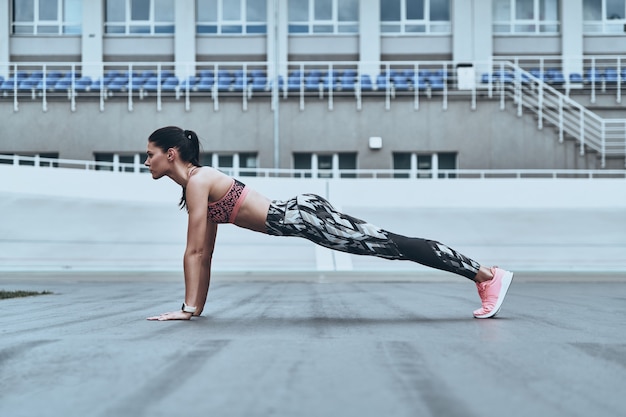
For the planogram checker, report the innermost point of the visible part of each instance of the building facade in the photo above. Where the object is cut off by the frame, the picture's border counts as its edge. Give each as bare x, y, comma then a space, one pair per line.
418, 128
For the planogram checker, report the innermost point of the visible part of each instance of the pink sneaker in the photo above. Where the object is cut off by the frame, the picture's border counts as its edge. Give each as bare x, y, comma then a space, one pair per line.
492, 293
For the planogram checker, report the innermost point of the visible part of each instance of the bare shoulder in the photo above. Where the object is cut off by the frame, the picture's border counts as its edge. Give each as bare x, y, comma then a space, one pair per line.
208, 181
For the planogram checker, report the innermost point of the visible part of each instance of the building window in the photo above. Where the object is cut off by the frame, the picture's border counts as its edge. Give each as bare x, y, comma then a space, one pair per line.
243, 164
419, 165
244, 17
526, 16
604, 16
47, 17
325, 165
323, 16
45, 159
139, 17
120, 162
415, 16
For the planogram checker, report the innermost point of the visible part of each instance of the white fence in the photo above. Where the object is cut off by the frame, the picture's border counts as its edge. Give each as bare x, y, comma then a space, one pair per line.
399, 174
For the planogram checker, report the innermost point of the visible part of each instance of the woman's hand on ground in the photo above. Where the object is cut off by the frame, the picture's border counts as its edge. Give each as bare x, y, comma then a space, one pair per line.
173, 315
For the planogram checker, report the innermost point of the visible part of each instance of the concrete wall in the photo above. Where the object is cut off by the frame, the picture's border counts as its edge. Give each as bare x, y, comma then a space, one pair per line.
511, 193
484, 138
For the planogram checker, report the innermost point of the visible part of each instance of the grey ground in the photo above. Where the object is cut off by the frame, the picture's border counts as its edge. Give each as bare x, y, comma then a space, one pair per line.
324, 336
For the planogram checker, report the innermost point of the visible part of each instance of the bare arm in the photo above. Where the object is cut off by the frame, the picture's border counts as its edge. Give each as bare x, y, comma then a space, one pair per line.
205, 275
200, 243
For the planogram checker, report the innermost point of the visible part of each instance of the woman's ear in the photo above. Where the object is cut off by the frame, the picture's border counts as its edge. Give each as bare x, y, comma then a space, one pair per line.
171, 153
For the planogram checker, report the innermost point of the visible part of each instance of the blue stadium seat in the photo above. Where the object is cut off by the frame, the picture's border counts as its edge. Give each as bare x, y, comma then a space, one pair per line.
189, 83
259, 83
294, 81
536, 72
205, 84
365, 83
312, 82
8, 85
424, 73
83, 84
610, 76
401, 83
151, 84
408, 73
54, 75
165, 74
206, 73
555, 77
593, 76
27, 85
436, 83
350, 73
348, 82
118, 84
420, 83
63, 85
281, 83
575, 78
382, 82
623, 75
329, 82
239, 84
224, 81
257, 73
170, 84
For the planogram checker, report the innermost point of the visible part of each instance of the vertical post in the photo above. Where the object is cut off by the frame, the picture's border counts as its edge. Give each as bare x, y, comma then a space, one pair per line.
275, 87
560, 119
582, 131
73, 89
44, 89
136, 164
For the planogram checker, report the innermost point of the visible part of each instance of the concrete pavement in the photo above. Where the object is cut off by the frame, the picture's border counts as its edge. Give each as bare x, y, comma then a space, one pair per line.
304, 347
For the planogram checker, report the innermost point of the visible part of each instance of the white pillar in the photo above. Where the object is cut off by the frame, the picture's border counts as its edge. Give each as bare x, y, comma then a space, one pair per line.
572, 36
92, 48
369, 37
185, 38
277, 37
5, 31
472, 33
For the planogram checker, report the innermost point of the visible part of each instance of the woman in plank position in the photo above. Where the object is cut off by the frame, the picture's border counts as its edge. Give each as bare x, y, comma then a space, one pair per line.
212, 197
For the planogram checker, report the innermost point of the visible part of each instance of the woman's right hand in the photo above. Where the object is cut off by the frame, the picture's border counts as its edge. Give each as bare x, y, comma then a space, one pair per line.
173, 315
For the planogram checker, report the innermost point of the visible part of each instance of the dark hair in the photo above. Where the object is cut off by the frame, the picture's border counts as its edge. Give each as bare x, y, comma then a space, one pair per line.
185, 141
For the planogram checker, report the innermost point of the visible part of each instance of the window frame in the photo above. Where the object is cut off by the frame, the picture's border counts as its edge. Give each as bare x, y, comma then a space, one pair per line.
220, 23
442, 27
61, 24
128, 23
333, 23
536, 22
605, 23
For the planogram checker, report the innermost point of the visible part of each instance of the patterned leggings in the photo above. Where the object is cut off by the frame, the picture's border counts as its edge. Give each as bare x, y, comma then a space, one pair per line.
313, 218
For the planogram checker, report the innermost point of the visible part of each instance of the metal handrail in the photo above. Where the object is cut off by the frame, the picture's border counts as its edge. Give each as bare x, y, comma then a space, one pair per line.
36, 162
605, 136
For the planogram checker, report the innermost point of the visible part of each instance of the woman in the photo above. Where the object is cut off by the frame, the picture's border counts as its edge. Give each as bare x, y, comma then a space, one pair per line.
211, 197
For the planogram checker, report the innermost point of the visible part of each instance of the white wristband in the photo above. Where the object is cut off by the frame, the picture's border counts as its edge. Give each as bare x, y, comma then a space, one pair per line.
188, 309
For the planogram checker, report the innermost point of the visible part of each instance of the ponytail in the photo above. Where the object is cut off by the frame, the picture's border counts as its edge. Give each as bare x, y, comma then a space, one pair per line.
185, 141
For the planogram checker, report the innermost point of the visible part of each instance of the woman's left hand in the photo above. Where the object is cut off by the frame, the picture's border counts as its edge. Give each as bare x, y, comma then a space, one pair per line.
173, 315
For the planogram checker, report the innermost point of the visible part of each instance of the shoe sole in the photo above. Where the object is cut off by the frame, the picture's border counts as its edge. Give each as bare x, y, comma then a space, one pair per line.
507, 278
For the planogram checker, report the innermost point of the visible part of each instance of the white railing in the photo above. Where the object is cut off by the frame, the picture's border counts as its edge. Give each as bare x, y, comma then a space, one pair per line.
527, 91
532, 83
36, 162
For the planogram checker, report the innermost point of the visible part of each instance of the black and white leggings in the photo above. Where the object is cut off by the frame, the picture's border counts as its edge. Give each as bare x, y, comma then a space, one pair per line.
312, 217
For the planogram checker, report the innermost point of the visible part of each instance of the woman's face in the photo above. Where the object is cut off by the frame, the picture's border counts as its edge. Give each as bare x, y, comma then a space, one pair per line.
156, 161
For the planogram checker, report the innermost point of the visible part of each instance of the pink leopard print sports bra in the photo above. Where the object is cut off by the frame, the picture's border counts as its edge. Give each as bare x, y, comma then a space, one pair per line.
226, 208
